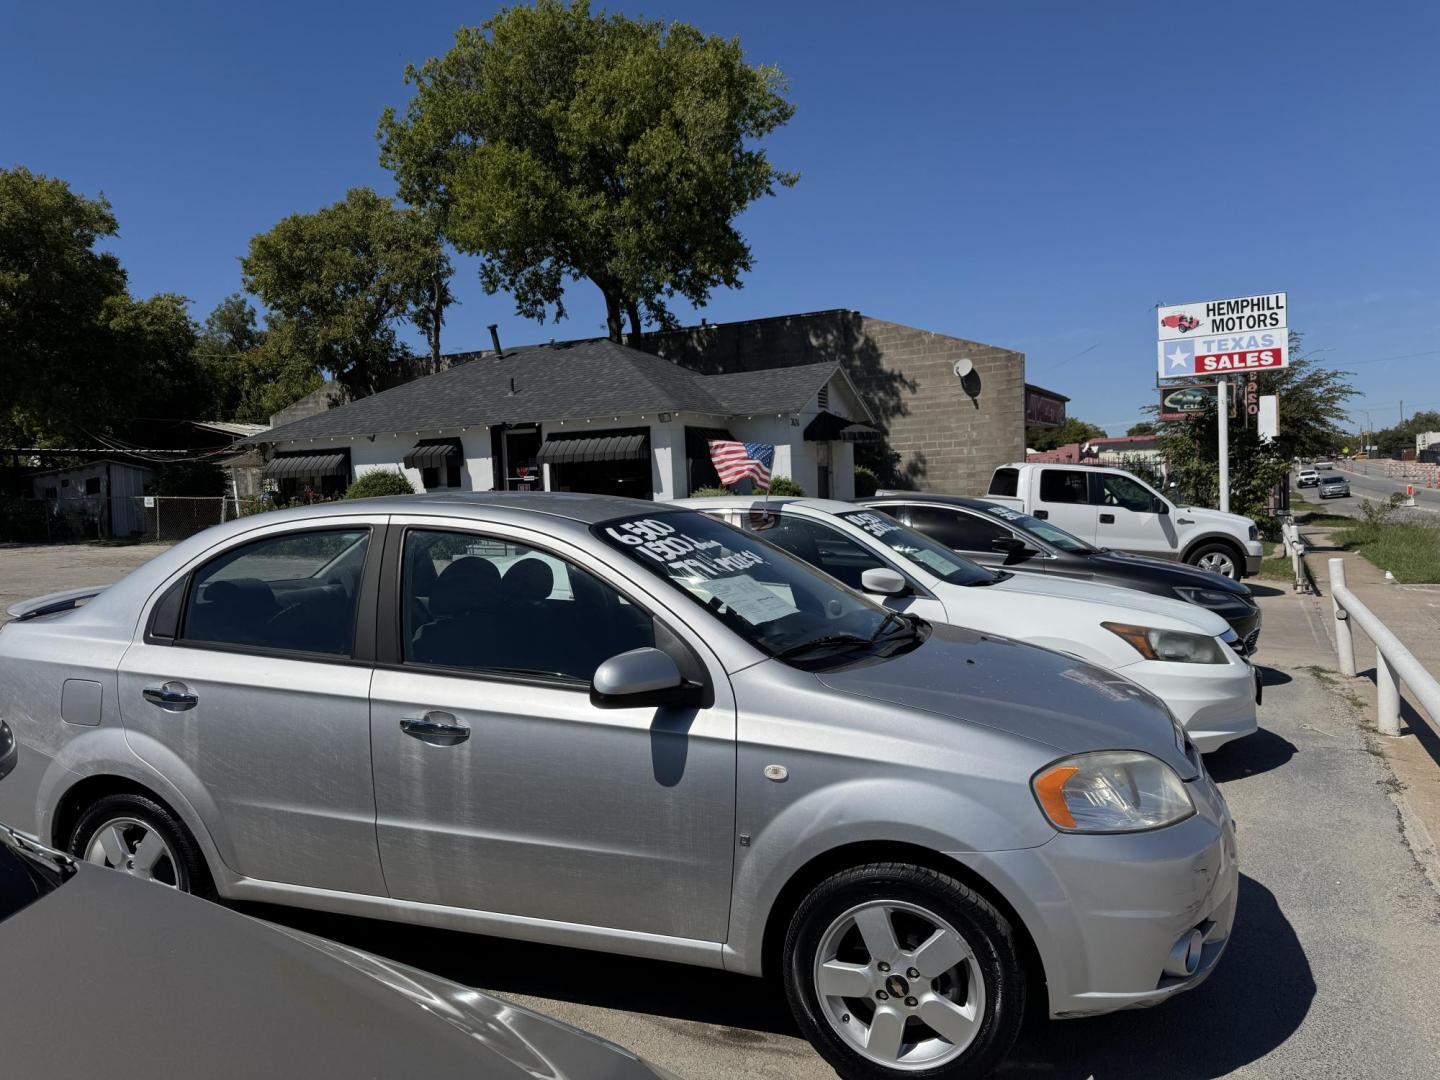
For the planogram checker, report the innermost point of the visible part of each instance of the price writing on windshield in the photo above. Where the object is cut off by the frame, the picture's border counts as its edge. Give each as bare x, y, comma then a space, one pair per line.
679, 551
873, 524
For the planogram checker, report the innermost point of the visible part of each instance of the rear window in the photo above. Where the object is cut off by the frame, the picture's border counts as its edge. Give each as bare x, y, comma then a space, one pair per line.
1005, 482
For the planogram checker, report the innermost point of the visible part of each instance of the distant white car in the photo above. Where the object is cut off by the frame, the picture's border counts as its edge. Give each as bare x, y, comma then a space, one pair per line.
1308, 478
1184, 655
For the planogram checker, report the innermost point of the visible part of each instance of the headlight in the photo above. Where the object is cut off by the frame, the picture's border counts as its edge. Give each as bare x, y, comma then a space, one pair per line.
1111, 791
1176, 646
1209, 598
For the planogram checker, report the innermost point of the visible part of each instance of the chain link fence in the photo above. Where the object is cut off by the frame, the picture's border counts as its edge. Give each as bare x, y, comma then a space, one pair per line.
53, 521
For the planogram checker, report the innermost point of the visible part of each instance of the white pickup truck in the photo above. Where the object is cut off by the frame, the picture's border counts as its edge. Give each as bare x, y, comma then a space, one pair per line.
1114, 509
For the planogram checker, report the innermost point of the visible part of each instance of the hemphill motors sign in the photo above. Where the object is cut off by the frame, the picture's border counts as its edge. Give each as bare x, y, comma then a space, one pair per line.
1217, 337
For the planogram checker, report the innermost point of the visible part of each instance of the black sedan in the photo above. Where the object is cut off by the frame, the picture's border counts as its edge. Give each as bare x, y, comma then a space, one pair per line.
998, 536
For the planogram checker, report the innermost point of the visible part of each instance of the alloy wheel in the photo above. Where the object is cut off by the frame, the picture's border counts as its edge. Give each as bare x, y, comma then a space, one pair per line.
899, 985
136, 848
1218, 562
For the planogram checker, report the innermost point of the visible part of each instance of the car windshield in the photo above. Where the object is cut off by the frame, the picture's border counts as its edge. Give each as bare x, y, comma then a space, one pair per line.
933, 557
27, 872
776, 602
1042, 530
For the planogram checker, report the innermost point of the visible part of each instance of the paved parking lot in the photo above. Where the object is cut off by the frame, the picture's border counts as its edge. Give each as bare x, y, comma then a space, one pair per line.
1331, 971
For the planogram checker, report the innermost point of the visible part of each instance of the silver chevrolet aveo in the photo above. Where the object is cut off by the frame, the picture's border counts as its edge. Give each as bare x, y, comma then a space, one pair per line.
603, 723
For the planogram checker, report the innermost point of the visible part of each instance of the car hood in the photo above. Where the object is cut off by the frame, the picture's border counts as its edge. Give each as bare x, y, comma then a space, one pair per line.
1119, 603
1178, 574
154, 981
1038, 694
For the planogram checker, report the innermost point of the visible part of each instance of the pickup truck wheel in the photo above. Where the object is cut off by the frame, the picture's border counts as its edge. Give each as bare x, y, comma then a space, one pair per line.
1217, 558
894, 970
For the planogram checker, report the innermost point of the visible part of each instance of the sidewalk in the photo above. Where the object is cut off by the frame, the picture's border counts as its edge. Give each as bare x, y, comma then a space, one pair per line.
1412, 612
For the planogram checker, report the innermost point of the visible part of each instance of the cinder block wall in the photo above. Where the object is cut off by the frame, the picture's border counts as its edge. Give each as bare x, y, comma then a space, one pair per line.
950, 433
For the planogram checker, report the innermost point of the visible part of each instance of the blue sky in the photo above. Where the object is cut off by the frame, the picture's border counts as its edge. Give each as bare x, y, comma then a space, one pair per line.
1036, 175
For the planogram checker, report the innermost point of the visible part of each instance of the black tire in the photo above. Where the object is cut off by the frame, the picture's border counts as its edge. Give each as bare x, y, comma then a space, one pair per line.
190, 873
987, 933
1236, 561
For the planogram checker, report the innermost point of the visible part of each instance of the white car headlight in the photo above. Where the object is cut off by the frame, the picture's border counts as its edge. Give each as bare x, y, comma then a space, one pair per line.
1111, 791
1176, 646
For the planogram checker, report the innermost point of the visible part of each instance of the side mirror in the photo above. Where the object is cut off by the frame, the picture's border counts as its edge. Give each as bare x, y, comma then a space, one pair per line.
884, 582
9, 754
1015, 549
639, 678
1162, 507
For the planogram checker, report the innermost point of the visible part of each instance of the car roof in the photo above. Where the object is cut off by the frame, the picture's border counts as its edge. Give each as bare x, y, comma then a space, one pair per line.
574, 506
962, 501
762, 502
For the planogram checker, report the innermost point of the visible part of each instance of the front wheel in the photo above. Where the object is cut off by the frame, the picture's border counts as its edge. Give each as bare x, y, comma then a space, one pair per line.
1218, 559
895, 970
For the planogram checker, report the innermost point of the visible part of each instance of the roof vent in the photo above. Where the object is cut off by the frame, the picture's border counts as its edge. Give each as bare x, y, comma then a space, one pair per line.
494, 329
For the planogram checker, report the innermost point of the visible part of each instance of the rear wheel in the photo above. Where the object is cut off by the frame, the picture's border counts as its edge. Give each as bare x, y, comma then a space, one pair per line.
138, 836
1217, 558
895, 970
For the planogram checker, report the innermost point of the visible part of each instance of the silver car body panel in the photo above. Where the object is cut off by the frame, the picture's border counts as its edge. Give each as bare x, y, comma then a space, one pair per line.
562, 845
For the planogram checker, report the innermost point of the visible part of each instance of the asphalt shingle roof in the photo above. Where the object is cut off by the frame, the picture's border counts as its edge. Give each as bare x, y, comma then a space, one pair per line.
567, 381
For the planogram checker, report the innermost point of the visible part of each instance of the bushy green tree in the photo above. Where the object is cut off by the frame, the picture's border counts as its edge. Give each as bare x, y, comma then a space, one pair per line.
338, 282
379, 482
1144, 427
1191, 450
56, 366
1073, 430
556, 143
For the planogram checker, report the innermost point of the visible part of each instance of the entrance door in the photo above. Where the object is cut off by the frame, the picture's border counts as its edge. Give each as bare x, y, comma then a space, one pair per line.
499, 787
522, 469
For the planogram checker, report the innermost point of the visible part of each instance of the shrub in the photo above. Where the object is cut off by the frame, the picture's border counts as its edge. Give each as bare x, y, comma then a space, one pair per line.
783, 485
866, 482
379, 482
710, 493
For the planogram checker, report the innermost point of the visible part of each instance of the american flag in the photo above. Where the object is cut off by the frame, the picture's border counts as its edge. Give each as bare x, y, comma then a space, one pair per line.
741, 460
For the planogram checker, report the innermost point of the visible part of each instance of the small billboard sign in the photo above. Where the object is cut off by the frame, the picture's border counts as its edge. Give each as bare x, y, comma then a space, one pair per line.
1213, 318
1178, 402
1227, 354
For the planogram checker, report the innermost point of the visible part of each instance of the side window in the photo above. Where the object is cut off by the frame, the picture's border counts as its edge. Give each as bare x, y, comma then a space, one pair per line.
819, 545
486, 604
955, 529
1005, 482
1063, 486
297, 592
1124, 492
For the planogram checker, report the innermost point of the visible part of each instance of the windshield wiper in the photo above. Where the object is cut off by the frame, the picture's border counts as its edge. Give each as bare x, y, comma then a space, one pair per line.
999, 576
826, 642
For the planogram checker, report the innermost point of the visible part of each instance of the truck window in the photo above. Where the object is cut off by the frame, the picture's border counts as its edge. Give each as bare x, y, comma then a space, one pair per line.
1124, 492
1005, 482
1063, 486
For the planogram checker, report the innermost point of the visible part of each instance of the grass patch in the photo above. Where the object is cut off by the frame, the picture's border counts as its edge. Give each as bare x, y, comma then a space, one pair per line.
1276, 566
1410, 550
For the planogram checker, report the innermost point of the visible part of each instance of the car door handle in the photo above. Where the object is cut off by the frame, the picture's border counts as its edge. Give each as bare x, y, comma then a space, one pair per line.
172, 697
1107, 519
436, 728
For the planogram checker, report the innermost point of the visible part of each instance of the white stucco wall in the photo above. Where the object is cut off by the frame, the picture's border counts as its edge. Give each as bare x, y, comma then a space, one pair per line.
388, 452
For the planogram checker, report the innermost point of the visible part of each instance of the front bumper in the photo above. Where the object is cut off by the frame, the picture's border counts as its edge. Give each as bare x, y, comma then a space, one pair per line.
1214, 703
1106, 911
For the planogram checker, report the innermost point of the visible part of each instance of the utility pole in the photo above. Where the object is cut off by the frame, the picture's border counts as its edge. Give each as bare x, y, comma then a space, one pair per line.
1222, 388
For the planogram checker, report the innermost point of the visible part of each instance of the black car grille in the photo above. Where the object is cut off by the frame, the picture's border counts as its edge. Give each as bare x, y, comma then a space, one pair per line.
1251, 642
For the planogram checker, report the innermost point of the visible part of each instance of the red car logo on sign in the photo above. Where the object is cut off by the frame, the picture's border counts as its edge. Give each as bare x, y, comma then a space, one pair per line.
1183, 323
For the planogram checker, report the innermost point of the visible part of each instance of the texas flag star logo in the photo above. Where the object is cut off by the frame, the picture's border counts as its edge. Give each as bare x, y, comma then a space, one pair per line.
1180, 357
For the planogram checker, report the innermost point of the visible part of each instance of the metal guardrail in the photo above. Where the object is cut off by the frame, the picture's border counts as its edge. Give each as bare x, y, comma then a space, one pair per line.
1290, 536
1395, 665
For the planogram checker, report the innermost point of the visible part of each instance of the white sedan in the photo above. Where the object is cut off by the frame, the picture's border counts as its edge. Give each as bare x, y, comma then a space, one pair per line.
1183, 654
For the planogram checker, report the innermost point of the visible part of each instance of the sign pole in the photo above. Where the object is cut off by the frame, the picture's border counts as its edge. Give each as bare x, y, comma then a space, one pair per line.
1222, 390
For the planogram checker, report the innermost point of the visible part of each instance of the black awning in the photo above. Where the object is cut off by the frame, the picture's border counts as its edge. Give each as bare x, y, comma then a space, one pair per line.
570, 449
305, 463
432, 453
697, 440
827, 427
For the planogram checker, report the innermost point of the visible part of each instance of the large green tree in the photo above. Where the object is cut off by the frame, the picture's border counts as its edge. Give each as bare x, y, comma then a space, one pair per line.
338, 283
56, 366
248, 370
559, 144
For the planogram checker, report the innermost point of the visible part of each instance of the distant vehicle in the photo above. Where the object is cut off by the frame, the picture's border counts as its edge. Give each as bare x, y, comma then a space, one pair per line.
242, 998
1112, 508
1324, 465
1183, 323
1334, 487
1307, 478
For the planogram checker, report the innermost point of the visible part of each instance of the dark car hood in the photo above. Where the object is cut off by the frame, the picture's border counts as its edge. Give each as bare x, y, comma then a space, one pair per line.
1173, 573
1035, 693
116, 977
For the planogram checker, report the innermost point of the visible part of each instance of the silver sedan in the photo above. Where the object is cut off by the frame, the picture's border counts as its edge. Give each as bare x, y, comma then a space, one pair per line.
607, 723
